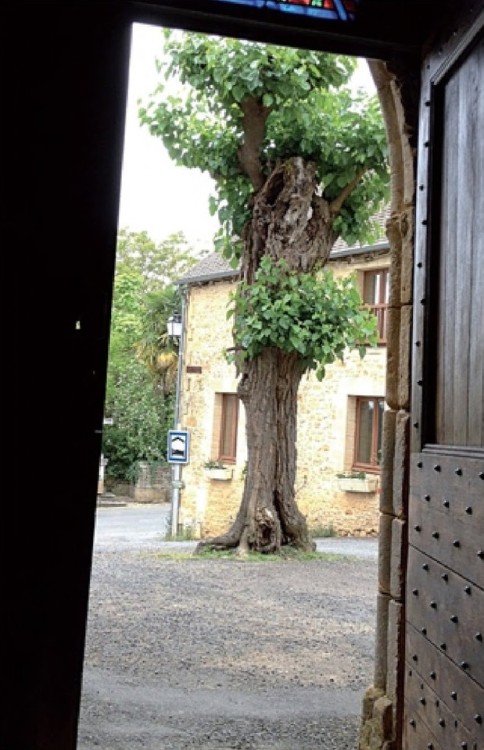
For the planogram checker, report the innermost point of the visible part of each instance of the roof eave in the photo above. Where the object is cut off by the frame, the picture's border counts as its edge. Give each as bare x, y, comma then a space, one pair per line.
204, 278
217, 276
364, 250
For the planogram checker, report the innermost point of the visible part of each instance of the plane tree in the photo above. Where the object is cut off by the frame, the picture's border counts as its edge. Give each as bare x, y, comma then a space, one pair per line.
298, 160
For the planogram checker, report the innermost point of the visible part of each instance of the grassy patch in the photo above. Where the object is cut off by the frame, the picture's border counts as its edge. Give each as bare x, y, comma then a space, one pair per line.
322, 532
186, 534
173, 555
287, 554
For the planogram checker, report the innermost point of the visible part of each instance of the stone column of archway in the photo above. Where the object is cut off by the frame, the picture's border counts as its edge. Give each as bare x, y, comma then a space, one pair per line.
380, 729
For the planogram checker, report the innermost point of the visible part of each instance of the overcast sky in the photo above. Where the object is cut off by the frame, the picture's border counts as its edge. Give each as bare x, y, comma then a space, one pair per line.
157, 196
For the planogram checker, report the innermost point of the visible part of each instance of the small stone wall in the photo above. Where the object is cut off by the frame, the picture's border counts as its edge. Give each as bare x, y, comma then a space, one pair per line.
153, 485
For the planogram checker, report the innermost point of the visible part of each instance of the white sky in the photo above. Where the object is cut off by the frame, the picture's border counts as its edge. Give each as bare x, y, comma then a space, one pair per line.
156, 195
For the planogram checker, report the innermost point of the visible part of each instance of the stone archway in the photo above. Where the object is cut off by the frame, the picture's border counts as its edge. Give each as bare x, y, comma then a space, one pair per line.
383, 702
428, 688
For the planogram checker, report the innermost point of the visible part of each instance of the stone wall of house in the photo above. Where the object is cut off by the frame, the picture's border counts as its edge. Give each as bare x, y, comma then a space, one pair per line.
208, 505
326, 422
326, 431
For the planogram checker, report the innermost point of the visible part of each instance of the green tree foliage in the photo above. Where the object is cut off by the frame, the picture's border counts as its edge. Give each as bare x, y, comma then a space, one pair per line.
157, 264
142, 360
141, 418
239, 97
316, 315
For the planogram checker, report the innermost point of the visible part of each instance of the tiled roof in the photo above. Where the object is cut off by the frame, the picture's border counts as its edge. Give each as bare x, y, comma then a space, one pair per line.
379, 218
214, 267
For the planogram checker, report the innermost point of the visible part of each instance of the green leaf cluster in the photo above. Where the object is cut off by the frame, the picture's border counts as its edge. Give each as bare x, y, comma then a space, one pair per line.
309, 109
314, 315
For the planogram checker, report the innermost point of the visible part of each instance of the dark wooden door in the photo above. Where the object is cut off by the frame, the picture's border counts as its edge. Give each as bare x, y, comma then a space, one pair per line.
444, 654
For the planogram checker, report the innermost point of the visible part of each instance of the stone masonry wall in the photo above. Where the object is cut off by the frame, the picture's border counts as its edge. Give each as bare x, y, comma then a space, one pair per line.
208, 505
326, 422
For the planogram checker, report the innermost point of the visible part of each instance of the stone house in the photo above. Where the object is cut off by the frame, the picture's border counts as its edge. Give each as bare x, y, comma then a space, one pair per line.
339, 419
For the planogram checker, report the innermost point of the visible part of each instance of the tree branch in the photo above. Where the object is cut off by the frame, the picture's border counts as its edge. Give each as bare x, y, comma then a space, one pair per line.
336, 205
254, 125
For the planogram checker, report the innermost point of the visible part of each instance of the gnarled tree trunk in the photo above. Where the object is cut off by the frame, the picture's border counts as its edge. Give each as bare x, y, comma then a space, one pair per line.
268, 516
290, 222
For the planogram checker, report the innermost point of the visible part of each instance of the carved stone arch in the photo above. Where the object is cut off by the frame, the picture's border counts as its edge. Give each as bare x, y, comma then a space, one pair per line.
382, 704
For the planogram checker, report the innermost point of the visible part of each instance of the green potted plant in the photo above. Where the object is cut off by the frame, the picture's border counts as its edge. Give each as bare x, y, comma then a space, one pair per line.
216, 469
357, 481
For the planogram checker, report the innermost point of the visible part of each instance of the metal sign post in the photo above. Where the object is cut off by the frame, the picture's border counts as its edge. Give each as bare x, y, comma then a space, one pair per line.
177, 454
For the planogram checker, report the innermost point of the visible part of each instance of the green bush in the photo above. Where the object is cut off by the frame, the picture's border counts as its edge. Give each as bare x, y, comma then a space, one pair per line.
141, 420
322, 532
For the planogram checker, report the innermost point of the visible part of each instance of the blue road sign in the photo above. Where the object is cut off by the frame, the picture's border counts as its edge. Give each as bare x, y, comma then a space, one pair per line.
178, 446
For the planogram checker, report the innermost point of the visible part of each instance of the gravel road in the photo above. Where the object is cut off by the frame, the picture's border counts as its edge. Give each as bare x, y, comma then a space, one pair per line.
210, 654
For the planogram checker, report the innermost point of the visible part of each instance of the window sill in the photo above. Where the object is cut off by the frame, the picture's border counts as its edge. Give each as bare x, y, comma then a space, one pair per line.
368, 485
219, 474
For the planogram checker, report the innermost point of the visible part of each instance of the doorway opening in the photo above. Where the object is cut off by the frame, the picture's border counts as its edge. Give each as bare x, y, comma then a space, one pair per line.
358, 260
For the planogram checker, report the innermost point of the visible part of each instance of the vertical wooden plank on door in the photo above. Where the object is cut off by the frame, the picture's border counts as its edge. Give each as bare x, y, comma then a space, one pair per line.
476, 356
459, 378
460, 123
445, 331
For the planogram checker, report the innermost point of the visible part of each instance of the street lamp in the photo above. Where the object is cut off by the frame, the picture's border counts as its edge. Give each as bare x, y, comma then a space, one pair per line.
175, 326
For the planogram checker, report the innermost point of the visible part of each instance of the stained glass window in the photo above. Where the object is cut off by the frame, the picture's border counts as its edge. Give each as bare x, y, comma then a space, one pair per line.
330, 10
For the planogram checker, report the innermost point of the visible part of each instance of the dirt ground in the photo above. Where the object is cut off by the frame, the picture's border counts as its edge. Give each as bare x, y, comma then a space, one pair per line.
210, 654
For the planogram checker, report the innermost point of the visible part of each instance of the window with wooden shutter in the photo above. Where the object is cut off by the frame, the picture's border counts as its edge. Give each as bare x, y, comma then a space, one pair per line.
228, 427
375, 295
368, 433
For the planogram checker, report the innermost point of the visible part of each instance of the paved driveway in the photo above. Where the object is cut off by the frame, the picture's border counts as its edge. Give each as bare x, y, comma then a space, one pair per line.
190, 653
145, 526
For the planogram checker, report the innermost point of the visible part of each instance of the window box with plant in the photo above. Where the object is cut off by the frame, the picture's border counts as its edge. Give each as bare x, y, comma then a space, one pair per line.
217, 470
357, 481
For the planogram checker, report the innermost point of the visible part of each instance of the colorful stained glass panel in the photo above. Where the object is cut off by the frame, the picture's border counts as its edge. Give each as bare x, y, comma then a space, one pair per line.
329, 10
